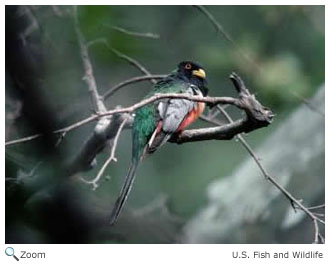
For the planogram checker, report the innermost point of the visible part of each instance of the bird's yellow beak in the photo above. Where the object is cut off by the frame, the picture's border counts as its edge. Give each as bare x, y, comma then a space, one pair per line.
199, 73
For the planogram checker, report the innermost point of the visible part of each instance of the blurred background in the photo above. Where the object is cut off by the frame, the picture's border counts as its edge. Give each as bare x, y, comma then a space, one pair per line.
201, 192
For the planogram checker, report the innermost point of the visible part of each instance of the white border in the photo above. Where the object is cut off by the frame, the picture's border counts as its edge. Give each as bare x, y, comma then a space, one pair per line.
179, 254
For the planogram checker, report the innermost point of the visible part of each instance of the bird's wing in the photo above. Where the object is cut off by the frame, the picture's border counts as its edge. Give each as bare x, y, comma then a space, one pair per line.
172, 113
175, 111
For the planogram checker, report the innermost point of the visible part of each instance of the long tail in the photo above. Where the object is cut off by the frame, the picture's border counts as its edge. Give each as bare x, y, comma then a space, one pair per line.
124, 192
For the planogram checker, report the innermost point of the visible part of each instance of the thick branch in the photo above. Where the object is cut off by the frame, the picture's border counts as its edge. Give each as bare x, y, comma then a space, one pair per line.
257, 115
224, 132
107, 126
156, 97
111, 158
294, 202
103, 133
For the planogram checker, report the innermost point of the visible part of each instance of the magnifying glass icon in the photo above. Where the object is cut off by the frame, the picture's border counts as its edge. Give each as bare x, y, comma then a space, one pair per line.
10, 252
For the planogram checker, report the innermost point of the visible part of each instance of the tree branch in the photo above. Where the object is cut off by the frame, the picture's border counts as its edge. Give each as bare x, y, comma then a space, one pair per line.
89, 75
130, 109
257, 115
224, 132
294, 202
239, 84
321, 206
225, 34
133, 33
118, 86
107, 126
111, 158
103, 133
58, 131
127, 58
309, 104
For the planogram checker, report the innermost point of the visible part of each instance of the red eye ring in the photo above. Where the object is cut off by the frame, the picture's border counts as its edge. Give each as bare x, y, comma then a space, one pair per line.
188, 66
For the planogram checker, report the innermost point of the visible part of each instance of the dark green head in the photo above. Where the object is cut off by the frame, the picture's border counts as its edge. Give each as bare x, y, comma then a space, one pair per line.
193, 73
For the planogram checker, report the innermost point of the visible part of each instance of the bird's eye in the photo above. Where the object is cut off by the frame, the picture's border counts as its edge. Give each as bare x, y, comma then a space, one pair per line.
188, 66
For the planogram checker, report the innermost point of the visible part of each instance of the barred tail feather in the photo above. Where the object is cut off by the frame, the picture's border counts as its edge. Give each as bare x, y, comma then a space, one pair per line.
129, 180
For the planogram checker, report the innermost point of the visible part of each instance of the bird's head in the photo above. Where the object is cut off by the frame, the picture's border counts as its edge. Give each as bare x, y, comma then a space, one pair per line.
193, 73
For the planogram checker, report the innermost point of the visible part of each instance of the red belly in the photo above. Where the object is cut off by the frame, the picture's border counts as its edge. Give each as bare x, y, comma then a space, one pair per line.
192, 116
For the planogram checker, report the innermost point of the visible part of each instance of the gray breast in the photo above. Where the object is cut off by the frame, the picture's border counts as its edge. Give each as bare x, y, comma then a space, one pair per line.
173, 111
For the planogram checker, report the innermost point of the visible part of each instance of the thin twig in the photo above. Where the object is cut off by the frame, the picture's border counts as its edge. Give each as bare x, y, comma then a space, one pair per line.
130, 109
21, 140
215, 23
319, 214
62, 130
61, 137
316, 232
322, 239
245, 144
285, 192
210, 119
122, 84
133, 33
130, 60
259, 115
225, 34
317, 207
127, 58
309, 104
89, 75
111, 158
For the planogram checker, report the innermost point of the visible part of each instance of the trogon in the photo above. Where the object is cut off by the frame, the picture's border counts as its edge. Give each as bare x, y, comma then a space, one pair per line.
155, 123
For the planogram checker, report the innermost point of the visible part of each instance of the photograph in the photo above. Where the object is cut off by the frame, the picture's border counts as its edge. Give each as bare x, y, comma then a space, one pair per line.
164, 124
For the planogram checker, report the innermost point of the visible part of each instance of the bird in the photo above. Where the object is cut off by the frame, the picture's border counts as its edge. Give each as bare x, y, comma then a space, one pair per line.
154, 124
